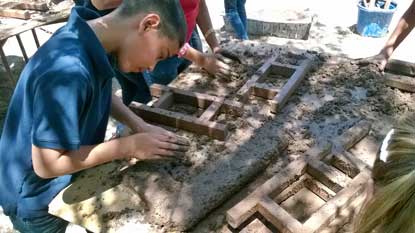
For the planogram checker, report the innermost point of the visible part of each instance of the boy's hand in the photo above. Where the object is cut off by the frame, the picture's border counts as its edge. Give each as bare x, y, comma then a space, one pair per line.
214, 66
226, 54
380, 60
145, 146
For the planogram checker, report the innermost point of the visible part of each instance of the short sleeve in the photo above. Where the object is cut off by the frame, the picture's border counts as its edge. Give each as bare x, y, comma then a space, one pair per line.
58, 101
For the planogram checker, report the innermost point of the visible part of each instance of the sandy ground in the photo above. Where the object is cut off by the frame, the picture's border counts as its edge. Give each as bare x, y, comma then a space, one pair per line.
328, 88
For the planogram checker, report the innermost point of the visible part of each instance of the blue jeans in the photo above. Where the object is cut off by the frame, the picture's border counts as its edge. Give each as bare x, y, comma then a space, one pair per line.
135, 86
46, 224
236, 14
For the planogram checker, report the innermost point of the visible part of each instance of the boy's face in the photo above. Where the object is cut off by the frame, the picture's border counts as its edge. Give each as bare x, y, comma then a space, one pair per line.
145, 46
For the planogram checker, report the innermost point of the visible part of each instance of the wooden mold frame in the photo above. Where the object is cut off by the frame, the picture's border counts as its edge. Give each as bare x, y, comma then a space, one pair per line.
21, 9
278, 97
339, 179
400, 74
157, 111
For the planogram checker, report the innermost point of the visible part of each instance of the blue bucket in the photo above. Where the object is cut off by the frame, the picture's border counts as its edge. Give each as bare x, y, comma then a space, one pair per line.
374, 22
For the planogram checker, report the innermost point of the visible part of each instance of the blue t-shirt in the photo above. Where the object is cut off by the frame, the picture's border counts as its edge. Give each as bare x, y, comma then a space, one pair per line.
62, 101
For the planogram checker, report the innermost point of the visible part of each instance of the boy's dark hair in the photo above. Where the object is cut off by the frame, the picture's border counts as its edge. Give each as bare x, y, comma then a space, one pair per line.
172, 20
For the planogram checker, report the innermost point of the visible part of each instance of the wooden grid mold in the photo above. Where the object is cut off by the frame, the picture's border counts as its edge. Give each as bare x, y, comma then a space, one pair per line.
199, 112
261, 83
316, 193
400, 74
21, 9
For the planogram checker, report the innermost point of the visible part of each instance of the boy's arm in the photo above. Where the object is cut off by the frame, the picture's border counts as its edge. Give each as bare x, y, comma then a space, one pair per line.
49, 163
404, 27
210, 63
205, 25
59, 100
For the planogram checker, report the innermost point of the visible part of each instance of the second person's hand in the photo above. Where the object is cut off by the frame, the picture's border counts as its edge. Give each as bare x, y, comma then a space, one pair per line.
226, 54
214, 66
380, 60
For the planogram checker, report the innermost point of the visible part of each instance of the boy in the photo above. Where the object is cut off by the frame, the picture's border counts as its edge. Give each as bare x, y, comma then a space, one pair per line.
58, 114
135, 87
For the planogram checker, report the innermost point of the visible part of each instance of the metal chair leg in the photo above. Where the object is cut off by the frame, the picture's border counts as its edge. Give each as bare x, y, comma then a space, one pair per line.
35, 37
19, 40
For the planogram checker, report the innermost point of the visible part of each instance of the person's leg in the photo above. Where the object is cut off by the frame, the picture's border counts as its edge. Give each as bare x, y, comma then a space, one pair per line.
231, 9
230, 5
46, 224
242, 14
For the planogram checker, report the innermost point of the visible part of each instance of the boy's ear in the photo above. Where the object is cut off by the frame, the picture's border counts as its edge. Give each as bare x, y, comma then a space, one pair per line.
150, 21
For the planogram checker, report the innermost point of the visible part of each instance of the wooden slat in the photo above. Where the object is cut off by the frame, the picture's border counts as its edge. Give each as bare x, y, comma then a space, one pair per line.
165, 101
272, 187
291, 190
353, 135
318, 188
348, 163
25, 5
288, 89
38, 6
198, 100
9, 31
246, 89
400, 67
211, 111
261, 90
329, 210
283, 69
180, 121
12, 13
279, 217
401, 82
328, 175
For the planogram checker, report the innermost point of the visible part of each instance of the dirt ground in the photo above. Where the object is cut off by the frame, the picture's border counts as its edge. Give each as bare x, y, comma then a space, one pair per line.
333, 98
